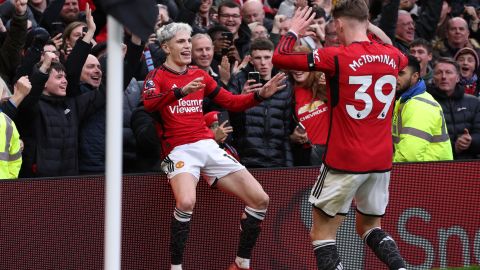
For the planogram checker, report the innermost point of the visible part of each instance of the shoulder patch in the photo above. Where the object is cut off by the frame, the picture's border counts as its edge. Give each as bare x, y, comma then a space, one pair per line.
149, 84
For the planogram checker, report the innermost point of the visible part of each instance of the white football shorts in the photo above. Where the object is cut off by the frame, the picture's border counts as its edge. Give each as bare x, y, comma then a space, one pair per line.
203, 157
334, 191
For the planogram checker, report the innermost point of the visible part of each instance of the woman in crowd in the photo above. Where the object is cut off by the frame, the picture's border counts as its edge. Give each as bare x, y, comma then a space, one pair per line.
310, 134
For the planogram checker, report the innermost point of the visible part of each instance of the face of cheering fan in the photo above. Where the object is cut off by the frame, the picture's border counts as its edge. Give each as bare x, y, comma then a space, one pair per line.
56, 84
202, 50
467, 64
91, 72
299, 77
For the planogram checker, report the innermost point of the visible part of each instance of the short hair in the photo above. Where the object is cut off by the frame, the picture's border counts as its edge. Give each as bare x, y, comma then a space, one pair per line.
261, 44
201, 35
215, 29
447, 60
356, 9
57, 66
167, 32
413, 63
228, 4
421, 42
457, 18
320, 13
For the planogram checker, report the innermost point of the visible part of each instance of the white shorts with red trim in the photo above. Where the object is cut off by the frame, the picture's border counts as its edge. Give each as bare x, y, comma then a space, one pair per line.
334, 191
204, 158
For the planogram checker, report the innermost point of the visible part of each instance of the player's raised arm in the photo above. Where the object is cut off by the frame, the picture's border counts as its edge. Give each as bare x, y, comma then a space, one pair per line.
284, 57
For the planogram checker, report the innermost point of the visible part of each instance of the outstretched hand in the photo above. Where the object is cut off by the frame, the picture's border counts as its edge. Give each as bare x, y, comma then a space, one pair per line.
274, 85
88, 37
301, 20
193, 86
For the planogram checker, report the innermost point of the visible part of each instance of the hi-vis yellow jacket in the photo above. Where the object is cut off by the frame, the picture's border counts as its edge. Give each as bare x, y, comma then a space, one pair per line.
419, 130
10, 153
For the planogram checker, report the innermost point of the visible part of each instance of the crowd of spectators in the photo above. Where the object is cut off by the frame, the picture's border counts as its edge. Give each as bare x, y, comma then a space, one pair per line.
53, 63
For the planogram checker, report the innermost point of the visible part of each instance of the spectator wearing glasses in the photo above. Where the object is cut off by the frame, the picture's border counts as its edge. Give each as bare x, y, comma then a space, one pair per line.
402, 28
229, 16
50, 47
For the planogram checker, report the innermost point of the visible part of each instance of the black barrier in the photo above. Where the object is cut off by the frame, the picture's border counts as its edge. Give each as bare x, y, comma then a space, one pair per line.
59, 223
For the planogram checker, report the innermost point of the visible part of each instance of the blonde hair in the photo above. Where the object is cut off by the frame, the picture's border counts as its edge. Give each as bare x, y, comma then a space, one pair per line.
167, 32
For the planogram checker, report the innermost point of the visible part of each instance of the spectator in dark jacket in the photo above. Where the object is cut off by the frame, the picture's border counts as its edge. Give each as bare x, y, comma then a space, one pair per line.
456, 38
49, 118
49, 123
261, 134
461, 111
424, 25
10, 50
148, 149
92, 132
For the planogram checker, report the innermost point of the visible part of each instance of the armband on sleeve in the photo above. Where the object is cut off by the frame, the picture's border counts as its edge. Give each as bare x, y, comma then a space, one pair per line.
178, 92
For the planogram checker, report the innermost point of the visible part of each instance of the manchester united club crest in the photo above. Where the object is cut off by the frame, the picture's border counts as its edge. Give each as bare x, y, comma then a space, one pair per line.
179, 165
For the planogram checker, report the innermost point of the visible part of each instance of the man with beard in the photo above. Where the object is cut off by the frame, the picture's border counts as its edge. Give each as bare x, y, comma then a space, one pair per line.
419, 130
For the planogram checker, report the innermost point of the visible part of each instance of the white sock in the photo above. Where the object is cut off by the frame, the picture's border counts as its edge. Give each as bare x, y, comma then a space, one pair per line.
242, 263
176, 267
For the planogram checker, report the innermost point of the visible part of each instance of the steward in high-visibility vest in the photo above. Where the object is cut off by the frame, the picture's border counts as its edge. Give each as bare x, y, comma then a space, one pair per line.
419, 130
10, 150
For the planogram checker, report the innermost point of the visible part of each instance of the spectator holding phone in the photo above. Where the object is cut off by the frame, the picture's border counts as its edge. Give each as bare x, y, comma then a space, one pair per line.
221, 132
229, 16
261, 134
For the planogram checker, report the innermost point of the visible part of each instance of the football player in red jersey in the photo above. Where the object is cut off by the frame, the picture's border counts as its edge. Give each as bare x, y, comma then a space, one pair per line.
361, 78
175, 91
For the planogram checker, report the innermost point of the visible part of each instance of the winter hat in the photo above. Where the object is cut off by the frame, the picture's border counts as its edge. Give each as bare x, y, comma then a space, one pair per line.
211, 117
468, 50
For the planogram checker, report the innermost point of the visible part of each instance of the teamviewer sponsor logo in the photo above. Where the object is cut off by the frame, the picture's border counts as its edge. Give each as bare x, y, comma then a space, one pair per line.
187, 106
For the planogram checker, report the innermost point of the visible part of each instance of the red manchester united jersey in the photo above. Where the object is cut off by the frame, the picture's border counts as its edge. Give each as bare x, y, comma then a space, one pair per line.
362, 79
181, 117
313, 114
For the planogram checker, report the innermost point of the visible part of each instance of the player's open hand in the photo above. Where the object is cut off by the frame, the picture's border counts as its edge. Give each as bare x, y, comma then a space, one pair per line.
193, 86
277, 83
301, 20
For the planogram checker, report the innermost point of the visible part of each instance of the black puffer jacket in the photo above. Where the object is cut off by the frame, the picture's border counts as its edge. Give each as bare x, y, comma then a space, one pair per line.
49, 126
260, 134
461, 111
